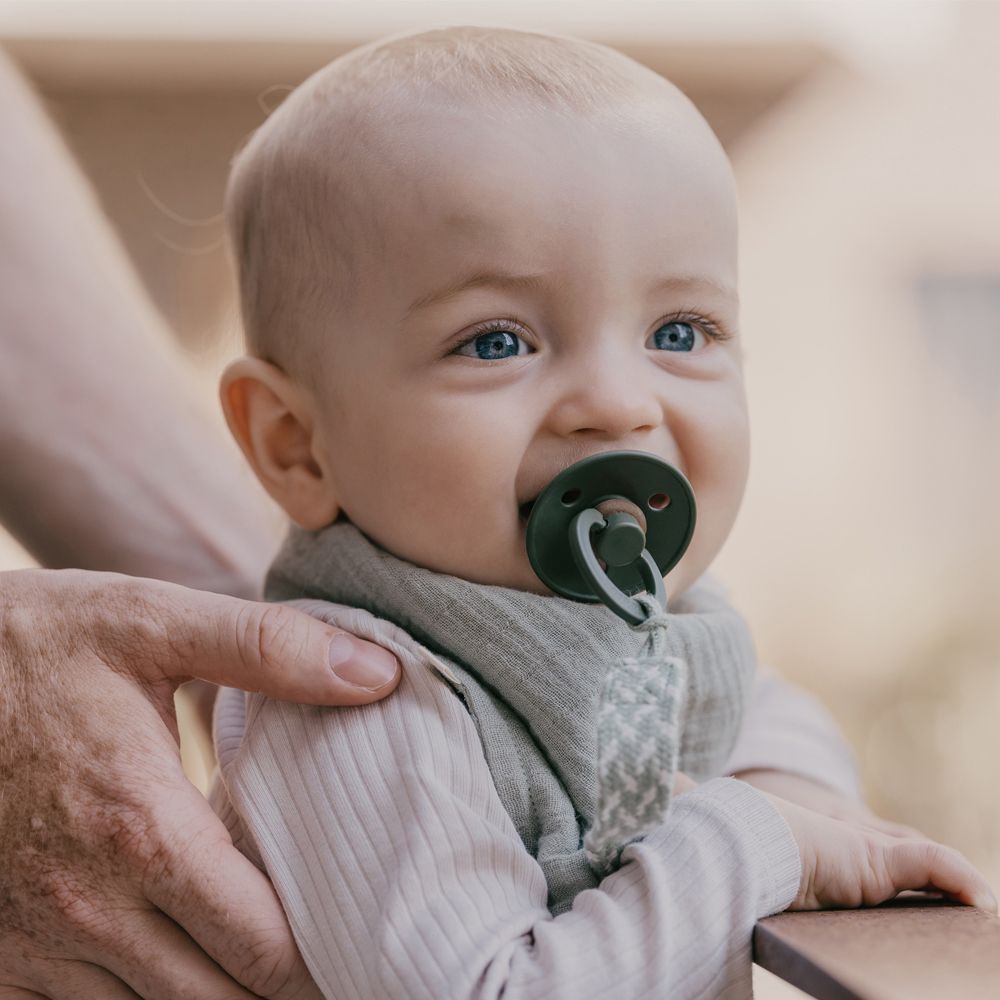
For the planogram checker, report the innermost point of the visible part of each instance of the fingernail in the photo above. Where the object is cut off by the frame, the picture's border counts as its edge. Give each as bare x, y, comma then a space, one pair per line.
360, 663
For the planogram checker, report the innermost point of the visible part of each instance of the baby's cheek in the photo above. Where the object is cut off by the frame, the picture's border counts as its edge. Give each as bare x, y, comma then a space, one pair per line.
718, 475
437, 492
718, 456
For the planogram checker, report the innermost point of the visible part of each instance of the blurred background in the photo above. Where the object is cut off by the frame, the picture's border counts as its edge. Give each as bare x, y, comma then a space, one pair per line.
865, 139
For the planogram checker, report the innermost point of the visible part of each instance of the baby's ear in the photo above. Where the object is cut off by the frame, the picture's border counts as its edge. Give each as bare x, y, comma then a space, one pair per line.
273, 422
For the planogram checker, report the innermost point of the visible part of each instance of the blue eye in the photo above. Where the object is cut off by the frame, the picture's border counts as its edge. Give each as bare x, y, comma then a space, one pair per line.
494, 345
674, 336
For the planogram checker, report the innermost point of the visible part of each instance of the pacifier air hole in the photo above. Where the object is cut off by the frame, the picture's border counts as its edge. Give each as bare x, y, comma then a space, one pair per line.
658, 501
570, 497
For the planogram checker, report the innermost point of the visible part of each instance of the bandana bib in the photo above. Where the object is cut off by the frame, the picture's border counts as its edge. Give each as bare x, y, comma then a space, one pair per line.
584, 719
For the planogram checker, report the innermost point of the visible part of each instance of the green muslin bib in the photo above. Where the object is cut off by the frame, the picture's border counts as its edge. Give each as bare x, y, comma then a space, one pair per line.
581, 733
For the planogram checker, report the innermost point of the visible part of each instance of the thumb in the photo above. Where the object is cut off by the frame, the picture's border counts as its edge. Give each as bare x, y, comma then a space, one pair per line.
176, 633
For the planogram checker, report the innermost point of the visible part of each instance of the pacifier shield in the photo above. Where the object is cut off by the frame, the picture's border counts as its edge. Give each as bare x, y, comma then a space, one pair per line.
658, 489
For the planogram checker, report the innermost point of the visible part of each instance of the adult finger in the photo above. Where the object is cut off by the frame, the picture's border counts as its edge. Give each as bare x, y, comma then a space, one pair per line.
925, 864
230, 909
174, 967
83, 981
163, 631
16, 993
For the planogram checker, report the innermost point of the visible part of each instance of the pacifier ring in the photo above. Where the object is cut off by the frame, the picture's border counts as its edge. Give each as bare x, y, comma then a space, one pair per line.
584, 554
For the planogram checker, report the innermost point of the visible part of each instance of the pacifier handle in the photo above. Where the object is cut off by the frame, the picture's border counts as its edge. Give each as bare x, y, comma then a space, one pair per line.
619, 533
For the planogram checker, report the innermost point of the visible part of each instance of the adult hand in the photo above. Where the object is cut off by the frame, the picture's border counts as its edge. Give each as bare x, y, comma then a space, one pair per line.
116, 877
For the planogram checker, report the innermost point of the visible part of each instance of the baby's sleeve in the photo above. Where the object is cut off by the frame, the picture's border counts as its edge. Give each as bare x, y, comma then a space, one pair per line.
403, 877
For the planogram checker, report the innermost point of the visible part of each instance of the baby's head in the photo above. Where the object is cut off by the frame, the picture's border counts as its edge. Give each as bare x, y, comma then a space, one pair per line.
469, 257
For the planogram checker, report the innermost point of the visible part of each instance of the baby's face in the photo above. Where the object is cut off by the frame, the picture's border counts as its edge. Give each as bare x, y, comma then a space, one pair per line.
535, 290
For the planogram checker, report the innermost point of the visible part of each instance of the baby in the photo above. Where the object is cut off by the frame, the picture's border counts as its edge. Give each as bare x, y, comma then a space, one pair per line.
468, 258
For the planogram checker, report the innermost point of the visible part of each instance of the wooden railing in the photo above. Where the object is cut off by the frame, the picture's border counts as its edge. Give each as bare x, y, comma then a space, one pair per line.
914, 947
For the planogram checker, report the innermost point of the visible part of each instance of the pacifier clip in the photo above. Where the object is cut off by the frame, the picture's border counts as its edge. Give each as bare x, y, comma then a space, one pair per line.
608, 529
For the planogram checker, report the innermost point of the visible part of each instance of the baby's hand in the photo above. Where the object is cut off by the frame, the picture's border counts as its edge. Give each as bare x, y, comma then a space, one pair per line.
822, 799
682, 783
849, 864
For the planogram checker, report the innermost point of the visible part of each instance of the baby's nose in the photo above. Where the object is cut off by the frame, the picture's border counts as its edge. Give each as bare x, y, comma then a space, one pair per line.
608, 404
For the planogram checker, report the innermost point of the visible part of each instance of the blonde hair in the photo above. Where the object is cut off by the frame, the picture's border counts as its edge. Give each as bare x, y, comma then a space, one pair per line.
300, 229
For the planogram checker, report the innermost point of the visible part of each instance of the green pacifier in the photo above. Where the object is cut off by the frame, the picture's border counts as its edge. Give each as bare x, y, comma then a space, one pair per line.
609, 555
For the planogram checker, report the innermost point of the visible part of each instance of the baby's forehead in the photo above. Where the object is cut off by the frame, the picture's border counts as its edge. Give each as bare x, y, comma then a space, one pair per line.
456, 160
472, 172
431, 120
438, 183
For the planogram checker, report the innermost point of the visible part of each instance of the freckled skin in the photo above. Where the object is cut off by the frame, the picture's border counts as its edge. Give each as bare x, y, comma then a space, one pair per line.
113, 868
72, 825
431, 453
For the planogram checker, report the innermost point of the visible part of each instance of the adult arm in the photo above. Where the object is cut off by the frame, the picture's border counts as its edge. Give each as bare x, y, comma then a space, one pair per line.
788, 729
790, 746
110, 460
402, 875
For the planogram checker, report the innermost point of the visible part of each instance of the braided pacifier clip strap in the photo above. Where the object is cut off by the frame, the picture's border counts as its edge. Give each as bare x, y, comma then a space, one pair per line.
638, 739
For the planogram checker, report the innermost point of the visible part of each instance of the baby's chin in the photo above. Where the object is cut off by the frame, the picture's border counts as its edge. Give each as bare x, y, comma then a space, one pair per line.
515, 573
504, 563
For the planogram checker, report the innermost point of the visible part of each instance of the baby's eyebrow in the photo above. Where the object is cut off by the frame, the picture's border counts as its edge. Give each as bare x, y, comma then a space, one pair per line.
532, 282
685, 281
478, 279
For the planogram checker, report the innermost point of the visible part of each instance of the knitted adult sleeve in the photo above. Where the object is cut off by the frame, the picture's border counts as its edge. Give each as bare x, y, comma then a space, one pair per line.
788, 728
